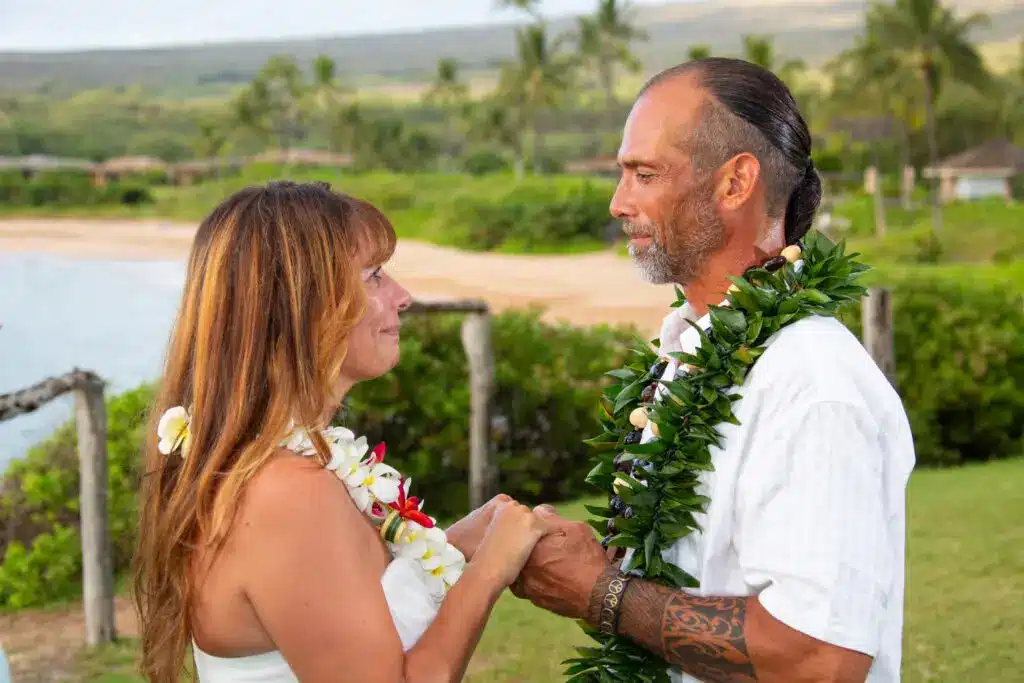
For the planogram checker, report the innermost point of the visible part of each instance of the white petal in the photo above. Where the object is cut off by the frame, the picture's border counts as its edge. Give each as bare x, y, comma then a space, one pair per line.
339, 434
452, 575
452, 556
361, 497
386, 490
357, 477
435, 584
417, 548
165, 446
436, 537
172, 422
382, 470
342, 458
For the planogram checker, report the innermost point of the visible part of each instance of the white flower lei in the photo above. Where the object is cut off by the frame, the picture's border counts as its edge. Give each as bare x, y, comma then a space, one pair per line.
378, 490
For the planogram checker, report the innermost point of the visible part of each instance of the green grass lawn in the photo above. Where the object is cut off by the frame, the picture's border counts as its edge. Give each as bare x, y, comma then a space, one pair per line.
964, 605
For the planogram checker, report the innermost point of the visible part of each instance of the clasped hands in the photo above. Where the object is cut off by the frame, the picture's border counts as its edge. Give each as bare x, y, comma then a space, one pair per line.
562, 568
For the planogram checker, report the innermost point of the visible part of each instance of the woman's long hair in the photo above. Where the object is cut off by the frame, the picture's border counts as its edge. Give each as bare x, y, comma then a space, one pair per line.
272, 291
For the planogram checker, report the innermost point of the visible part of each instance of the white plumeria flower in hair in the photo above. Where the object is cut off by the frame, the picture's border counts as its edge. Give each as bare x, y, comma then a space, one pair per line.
173, 431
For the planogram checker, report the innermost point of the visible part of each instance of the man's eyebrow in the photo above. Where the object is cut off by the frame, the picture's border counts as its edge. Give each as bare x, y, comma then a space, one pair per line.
633, 162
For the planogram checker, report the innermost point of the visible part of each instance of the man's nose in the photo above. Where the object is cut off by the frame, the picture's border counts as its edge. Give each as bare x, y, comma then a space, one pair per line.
620, 206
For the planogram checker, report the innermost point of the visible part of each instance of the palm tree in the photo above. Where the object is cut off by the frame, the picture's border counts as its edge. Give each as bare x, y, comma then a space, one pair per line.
528, 6
696, 52
536, 81
870, 82
929, 38
272, 104
447, 92
761, 51
324, 94
604, 40
492, 121
346, 128
211, 142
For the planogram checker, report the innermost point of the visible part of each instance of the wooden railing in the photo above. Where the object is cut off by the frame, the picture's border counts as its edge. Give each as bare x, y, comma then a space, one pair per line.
476, 340
91, 420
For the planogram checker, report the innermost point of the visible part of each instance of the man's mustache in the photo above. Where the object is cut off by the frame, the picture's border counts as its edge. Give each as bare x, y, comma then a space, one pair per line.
639, 229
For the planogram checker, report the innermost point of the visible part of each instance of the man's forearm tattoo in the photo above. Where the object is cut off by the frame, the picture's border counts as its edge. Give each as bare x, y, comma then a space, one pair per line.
706, 636
703, 636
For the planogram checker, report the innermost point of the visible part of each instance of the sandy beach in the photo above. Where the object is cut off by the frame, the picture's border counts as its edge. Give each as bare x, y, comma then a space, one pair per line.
583, 289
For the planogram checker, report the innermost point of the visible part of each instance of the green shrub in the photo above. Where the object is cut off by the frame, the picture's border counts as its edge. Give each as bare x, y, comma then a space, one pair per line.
529, 217
69, 189
959, 367
51, 570
39, 540
12, 188
548, 383
485, 161
127, 193
60, 189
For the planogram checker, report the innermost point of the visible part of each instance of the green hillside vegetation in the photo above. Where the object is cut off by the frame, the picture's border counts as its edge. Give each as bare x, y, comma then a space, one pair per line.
814, 32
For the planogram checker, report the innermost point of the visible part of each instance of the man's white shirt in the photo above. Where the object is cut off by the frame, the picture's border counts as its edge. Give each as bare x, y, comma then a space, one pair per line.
807, 506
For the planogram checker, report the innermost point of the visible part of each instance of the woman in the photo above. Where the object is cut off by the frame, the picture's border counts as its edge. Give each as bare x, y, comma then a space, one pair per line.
274, 547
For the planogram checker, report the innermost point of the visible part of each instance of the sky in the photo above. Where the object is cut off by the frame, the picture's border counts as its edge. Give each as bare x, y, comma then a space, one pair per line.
54, 25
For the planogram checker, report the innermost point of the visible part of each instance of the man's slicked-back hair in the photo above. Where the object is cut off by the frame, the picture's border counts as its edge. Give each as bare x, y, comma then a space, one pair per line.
749, 109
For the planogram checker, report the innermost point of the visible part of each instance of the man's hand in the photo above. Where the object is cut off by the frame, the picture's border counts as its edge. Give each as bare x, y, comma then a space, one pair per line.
467, 533
563, 569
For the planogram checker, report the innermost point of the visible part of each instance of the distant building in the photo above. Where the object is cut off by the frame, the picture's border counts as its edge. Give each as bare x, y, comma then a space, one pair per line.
983, 171
32, 165
120, 168
303, 157
198, 170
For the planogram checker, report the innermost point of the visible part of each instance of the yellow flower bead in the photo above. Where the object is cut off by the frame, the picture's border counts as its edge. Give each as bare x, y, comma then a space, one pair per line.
638, 418
792, 253
654, 429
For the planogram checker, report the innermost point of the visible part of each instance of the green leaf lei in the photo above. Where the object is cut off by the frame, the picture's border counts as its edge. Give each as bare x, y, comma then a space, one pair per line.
653, 487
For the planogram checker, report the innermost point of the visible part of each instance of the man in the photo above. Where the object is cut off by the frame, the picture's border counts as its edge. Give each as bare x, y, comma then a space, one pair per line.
800, 555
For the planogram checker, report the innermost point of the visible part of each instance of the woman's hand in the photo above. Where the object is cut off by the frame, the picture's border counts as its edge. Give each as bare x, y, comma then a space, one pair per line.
510, 538
468, 532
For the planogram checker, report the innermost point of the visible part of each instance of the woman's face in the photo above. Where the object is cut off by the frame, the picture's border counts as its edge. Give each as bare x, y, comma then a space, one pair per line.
373, 346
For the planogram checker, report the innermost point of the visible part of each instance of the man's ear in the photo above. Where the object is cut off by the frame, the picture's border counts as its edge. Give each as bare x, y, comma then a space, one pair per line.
737, 181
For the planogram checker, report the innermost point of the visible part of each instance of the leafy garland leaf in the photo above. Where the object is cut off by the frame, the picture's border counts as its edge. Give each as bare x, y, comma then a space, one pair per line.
662, 495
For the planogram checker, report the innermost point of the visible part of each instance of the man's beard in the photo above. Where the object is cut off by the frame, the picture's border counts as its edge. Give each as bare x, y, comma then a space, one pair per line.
697, 233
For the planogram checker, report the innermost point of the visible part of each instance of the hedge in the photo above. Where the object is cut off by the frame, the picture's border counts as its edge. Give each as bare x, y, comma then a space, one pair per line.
67, 189
959, 362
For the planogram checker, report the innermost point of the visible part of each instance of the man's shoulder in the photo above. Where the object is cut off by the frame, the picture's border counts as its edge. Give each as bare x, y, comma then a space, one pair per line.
818, 359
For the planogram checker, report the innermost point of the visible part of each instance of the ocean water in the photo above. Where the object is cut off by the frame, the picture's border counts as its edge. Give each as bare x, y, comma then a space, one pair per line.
58, 313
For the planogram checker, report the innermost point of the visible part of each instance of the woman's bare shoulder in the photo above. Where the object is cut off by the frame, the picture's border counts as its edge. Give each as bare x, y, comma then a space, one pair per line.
291, 492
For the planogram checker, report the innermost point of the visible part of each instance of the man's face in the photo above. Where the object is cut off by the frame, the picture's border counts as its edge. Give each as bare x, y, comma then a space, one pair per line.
667, 209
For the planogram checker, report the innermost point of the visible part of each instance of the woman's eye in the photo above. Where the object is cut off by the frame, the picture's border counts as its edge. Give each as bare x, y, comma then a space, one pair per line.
376, 275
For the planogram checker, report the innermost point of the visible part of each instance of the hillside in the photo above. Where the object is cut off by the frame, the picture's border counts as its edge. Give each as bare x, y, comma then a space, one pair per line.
811, 29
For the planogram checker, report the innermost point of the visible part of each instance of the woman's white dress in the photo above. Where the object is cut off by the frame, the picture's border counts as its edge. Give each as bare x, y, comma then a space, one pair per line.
412, 608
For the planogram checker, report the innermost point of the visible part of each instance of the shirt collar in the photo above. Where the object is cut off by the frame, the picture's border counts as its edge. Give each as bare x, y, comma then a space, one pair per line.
677, 334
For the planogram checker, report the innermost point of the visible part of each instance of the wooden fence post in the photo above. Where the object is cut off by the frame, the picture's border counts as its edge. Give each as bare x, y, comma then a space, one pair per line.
476, 339
877, 330
97, 569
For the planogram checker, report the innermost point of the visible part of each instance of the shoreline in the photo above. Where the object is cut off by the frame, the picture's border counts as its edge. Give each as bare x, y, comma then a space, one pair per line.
581, 289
